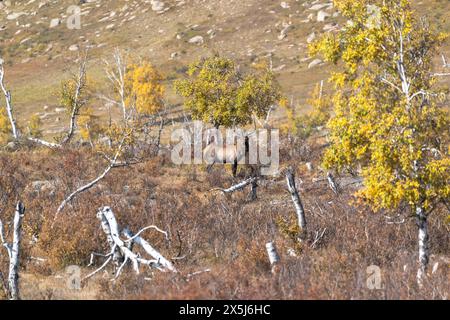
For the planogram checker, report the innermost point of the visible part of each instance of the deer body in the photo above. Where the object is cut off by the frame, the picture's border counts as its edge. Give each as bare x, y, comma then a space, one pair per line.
225, 154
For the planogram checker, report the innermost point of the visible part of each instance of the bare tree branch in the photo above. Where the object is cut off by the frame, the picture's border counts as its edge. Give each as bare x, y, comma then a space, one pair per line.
237, 187
89, 185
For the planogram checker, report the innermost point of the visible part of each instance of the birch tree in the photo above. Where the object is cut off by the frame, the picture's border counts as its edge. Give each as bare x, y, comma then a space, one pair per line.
389, 116
138, 91
73, 96
9, 105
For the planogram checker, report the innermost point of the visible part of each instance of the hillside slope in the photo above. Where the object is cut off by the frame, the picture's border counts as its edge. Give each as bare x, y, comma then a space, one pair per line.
39, 47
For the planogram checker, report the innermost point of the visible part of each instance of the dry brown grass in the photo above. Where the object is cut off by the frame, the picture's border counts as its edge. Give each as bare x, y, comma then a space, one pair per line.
226, 234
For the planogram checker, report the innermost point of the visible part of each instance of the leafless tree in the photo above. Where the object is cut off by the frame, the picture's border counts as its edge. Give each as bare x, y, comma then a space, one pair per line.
77, 103
9, 105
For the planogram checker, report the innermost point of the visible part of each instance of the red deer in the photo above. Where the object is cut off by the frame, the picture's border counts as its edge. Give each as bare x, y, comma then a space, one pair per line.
218, 153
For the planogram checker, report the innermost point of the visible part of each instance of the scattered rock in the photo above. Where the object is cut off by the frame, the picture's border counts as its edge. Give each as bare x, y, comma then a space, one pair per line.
55, 22
314, 63
286, 28
74, 47
285, 5
157, 5
49, 48
277, 69
197, 40
321, 6
311, 37
309, 18
211, 33
322, 16
14, 16
331, 27
11, 146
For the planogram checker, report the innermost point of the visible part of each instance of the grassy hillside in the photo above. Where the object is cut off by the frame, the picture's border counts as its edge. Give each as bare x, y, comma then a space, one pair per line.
38, 56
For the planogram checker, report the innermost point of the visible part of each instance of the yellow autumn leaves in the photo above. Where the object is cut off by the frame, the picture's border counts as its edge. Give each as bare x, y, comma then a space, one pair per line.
397, 140
143, 88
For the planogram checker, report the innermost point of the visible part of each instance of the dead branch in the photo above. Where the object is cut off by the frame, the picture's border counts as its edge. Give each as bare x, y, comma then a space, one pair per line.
80, 84
89, 185
196, 273
149, 249
318, 236
332, 183
237, 187
44, 143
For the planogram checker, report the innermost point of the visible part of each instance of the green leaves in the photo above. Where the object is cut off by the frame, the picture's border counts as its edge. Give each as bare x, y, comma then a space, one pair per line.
216, 92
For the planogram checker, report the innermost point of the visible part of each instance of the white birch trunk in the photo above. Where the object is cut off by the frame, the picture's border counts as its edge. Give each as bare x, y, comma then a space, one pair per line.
150, 250
13, 278
290, 178
274, 258
111, 228
9, 106
122, 250
239, 186
13, 250
424, 250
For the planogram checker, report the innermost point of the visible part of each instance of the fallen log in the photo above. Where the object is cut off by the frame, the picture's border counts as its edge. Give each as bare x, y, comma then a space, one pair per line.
239, 186
121, 250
